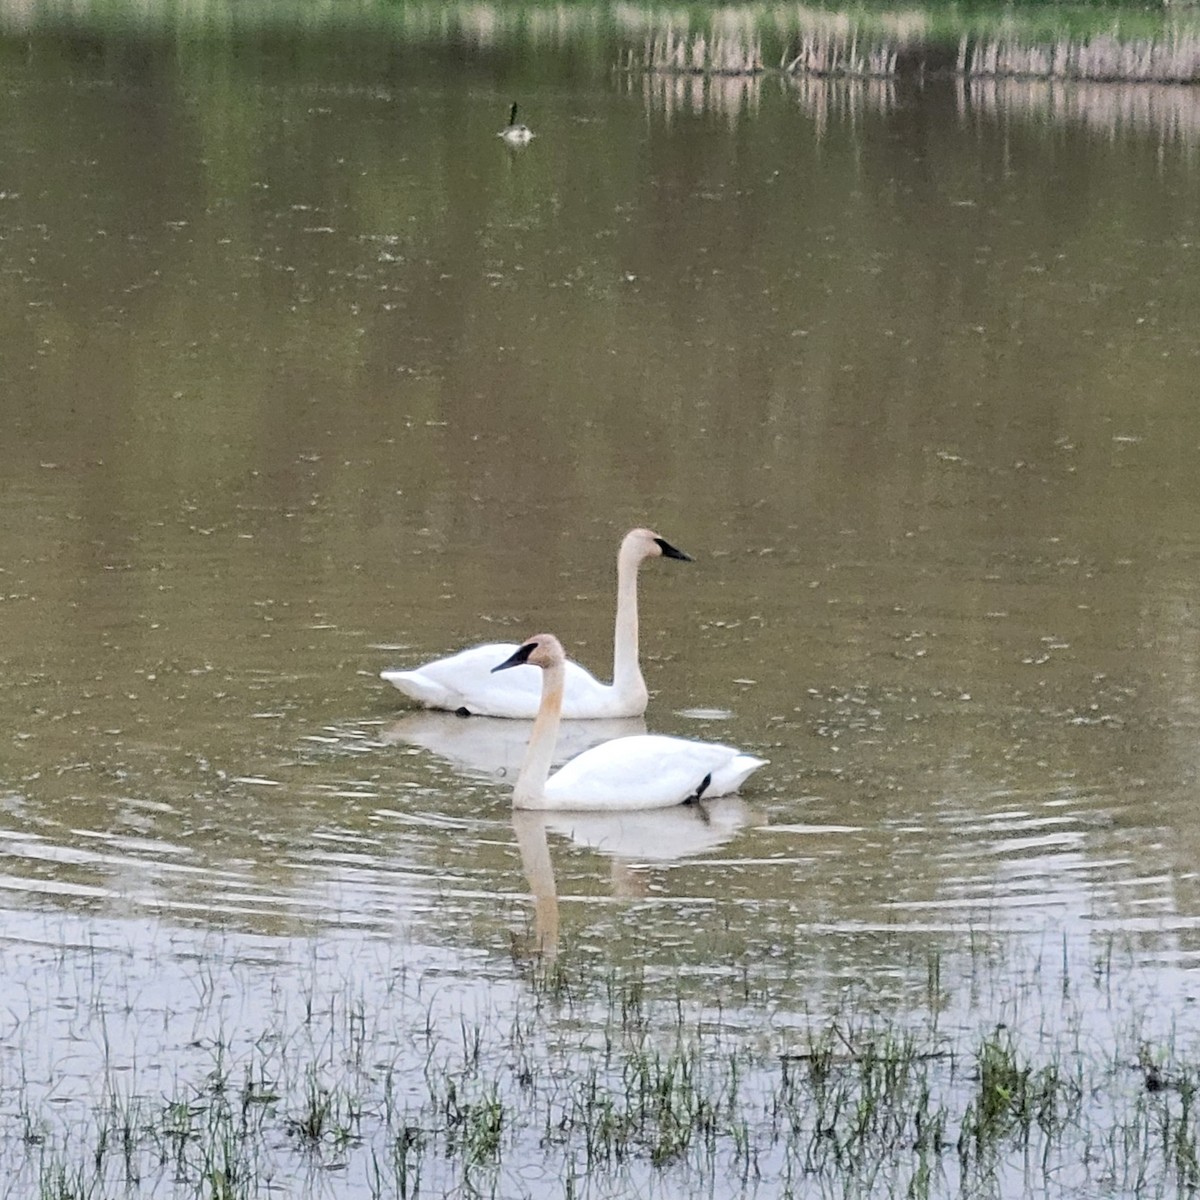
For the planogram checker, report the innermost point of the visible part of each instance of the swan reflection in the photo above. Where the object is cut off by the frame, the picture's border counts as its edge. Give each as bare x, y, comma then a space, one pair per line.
494, 747
631, 840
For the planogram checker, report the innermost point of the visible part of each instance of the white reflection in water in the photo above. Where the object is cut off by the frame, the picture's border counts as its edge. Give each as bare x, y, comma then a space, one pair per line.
730, 96
1168, 110
658, 836
494, 747
841, 101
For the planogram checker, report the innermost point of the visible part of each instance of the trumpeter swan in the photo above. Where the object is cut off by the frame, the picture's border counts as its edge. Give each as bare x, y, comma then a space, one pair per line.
514, 134
638, 772
464, 682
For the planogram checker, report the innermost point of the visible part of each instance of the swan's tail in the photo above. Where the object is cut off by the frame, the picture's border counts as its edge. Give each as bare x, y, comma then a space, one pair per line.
417, 687
730, 776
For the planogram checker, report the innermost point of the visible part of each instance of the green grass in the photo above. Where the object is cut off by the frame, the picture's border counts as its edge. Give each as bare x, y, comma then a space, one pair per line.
566, 1077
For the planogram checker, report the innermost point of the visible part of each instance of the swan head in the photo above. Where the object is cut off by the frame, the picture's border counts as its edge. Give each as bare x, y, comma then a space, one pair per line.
645, 543
541, 650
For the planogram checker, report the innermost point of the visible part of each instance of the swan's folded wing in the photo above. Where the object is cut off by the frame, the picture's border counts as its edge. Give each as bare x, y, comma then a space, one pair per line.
731, 775
465, 680
640, 772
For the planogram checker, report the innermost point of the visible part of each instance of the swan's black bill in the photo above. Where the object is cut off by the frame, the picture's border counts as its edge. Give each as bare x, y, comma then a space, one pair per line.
518, 658
670, 551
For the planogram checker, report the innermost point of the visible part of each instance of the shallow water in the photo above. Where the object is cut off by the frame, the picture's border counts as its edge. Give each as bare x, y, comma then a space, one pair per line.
307, 375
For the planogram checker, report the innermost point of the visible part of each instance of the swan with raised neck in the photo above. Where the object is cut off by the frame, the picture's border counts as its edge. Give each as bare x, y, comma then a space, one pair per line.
464, 682
514, 133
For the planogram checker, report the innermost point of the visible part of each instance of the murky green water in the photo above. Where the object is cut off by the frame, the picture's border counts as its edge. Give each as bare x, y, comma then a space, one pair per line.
306, 375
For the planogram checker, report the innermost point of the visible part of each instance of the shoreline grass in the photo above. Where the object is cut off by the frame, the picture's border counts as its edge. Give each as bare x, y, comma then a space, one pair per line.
844, 50
1130, 43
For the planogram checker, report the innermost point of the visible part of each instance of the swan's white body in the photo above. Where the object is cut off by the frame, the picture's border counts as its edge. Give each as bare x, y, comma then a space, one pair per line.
648, 770
464, 681
513, 133
643, 771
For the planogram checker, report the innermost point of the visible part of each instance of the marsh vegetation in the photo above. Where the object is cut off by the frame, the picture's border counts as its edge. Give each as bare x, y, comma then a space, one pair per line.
562, 1077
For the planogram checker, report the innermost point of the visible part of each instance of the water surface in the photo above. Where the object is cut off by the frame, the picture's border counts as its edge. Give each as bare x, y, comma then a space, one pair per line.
308, 375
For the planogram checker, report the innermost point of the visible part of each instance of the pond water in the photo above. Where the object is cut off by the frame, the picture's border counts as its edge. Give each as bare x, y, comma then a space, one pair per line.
307, 375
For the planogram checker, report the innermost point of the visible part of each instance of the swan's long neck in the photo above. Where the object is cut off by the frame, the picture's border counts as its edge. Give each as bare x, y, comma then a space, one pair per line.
535, 770
627, 674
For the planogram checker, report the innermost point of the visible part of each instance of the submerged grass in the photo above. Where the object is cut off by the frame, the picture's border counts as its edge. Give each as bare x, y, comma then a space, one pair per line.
597, 1082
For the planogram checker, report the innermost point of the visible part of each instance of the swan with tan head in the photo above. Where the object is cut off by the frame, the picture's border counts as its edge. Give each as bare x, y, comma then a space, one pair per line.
642, 771
464, 682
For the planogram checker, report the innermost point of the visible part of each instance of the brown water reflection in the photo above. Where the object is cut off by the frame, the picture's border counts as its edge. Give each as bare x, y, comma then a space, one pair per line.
300, 364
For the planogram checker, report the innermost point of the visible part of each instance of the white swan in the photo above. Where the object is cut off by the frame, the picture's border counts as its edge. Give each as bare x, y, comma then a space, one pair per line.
464, 682
514, 134
639, 772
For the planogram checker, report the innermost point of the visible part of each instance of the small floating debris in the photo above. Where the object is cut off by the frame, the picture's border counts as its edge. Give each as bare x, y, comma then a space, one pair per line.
705, 714
257, 781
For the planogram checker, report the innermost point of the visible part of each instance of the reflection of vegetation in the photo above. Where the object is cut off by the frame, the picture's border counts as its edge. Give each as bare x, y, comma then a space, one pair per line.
675, 92
1169, 113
